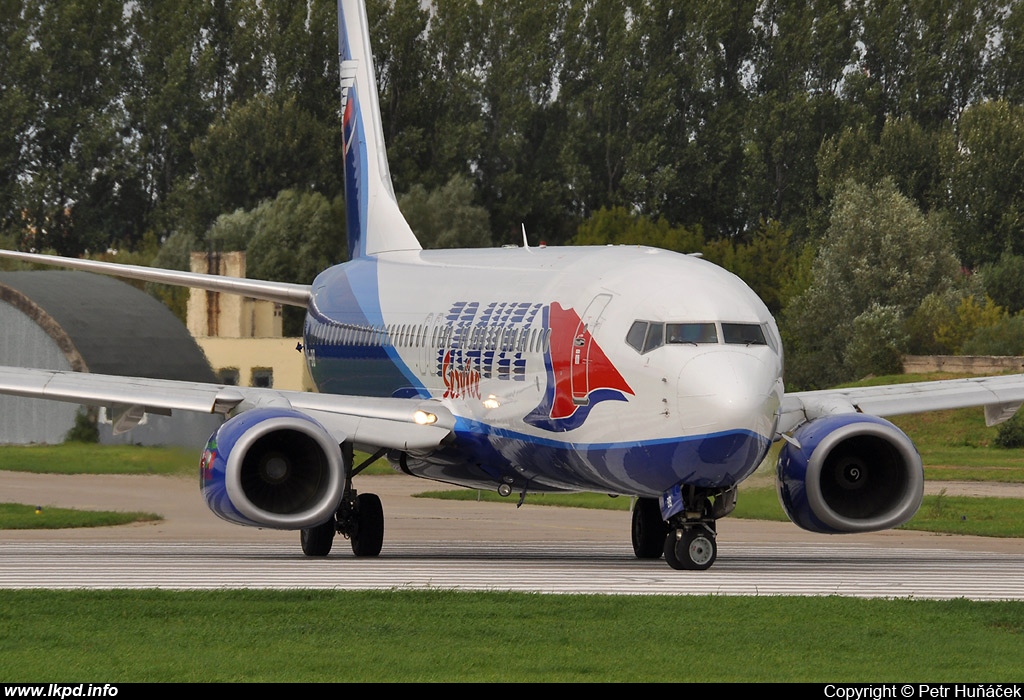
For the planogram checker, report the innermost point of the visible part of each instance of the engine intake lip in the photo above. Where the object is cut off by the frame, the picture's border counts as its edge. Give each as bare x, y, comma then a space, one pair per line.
316, 506
872, 460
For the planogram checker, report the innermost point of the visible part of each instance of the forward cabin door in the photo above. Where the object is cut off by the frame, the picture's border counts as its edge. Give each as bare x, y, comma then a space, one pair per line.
582, 344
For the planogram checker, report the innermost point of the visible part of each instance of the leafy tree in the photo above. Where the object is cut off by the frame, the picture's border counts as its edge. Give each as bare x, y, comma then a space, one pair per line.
877, 342
166, 99
1011, 433
937, 310
16, 108
294, 237
904, 152
455, 41
256, 150
408, 87
921, 58
74, 147
970, 317
881, 253
983, 165
1002, 80
618, 227
800, 55
598, 80
1004, 337
522, 124
1004, 281
446, 217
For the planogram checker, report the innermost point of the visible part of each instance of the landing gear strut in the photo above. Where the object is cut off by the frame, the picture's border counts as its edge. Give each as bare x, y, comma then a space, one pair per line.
360, 517
687, 539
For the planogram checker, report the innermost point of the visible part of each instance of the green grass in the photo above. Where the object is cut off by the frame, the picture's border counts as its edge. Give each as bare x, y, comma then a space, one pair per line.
407, 636
15, 516
955, 515
81, 458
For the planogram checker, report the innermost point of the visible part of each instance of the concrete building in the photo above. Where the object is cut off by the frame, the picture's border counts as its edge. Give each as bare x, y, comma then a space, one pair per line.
241, 337
92, 323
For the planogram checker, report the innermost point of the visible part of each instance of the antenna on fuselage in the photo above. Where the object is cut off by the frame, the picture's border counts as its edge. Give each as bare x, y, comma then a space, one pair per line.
526, 243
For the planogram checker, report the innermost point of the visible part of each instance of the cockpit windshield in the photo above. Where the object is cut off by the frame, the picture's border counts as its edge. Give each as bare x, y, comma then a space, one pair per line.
645, 336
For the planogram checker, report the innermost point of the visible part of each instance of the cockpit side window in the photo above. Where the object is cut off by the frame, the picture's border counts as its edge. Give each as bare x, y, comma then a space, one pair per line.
655, 336
636, 335
743, 334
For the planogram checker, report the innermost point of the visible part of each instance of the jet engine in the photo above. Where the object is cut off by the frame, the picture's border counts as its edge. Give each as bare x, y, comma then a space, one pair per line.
849, 473
273, 467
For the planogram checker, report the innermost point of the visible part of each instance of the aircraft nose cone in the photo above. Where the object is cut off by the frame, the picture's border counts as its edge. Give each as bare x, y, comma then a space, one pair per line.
727, 390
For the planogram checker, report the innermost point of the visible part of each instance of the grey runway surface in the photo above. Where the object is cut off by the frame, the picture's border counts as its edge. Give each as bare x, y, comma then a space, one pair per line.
475, 546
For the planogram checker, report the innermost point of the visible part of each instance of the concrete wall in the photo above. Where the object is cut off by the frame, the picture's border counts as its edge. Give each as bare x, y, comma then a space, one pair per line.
962, 364
248, 354
212, 314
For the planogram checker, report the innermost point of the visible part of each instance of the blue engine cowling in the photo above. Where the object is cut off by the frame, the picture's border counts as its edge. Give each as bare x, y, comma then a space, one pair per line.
275, 468
850, 473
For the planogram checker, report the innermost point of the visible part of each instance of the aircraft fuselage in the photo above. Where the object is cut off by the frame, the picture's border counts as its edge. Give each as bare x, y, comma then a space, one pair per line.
624, 370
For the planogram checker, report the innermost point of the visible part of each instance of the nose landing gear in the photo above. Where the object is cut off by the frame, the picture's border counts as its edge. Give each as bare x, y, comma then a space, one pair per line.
687, 536
691, 548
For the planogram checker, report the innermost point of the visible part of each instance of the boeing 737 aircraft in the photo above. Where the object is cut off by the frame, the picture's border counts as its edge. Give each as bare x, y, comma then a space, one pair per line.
618, 370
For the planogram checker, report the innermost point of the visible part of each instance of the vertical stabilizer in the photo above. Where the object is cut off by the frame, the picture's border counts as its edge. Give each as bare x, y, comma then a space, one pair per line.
375, 223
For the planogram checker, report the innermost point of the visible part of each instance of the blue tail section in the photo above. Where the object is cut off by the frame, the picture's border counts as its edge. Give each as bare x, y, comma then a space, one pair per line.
375, 223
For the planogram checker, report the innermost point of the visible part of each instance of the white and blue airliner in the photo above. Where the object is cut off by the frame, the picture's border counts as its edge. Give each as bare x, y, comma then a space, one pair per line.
619, 370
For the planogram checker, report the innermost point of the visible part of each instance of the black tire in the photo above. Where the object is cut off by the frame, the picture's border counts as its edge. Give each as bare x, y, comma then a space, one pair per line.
696, 550
648, 529
368, 538
317, 541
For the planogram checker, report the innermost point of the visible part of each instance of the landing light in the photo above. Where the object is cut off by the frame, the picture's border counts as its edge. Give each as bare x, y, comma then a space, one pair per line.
424, 418
491, 402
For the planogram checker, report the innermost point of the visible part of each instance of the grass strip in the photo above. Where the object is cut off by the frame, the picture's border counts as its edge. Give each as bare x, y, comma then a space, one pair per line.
405, 636
79, 458
16, 516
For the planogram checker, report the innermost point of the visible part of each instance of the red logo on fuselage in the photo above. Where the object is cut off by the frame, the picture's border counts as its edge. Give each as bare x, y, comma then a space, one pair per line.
579, 365
580, 375
460, 382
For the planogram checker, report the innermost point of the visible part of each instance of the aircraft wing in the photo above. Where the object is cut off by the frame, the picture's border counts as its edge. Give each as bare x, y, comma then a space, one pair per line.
280, 292
404, 424
1000, 396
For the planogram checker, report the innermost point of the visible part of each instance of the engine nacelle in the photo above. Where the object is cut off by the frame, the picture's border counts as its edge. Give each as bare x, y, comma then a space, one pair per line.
275, 468
850, 473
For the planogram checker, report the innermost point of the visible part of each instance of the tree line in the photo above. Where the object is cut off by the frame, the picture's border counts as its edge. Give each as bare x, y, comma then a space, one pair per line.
762, 133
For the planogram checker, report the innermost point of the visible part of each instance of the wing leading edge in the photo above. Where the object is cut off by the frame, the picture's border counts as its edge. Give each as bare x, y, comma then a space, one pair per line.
279, 292
401, 424
1000, 396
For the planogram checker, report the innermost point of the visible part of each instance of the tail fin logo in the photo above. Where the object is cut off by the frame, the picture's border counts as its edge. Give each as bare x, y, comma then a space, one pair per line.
579, 374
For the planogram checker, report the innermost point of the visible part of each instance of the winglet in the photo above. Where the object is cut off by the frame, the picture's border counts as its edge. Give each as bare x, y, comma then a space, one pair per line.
375, 223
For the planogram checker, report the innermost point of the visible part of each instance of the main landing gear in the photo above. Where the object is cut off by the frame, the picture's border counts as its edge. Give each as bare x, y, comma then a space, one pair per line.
687, 539
360, 518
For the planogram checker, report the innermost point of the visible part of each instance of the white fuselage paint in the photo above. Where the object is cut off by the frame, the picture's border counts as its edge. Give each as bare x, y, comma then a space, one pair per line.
528, 348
